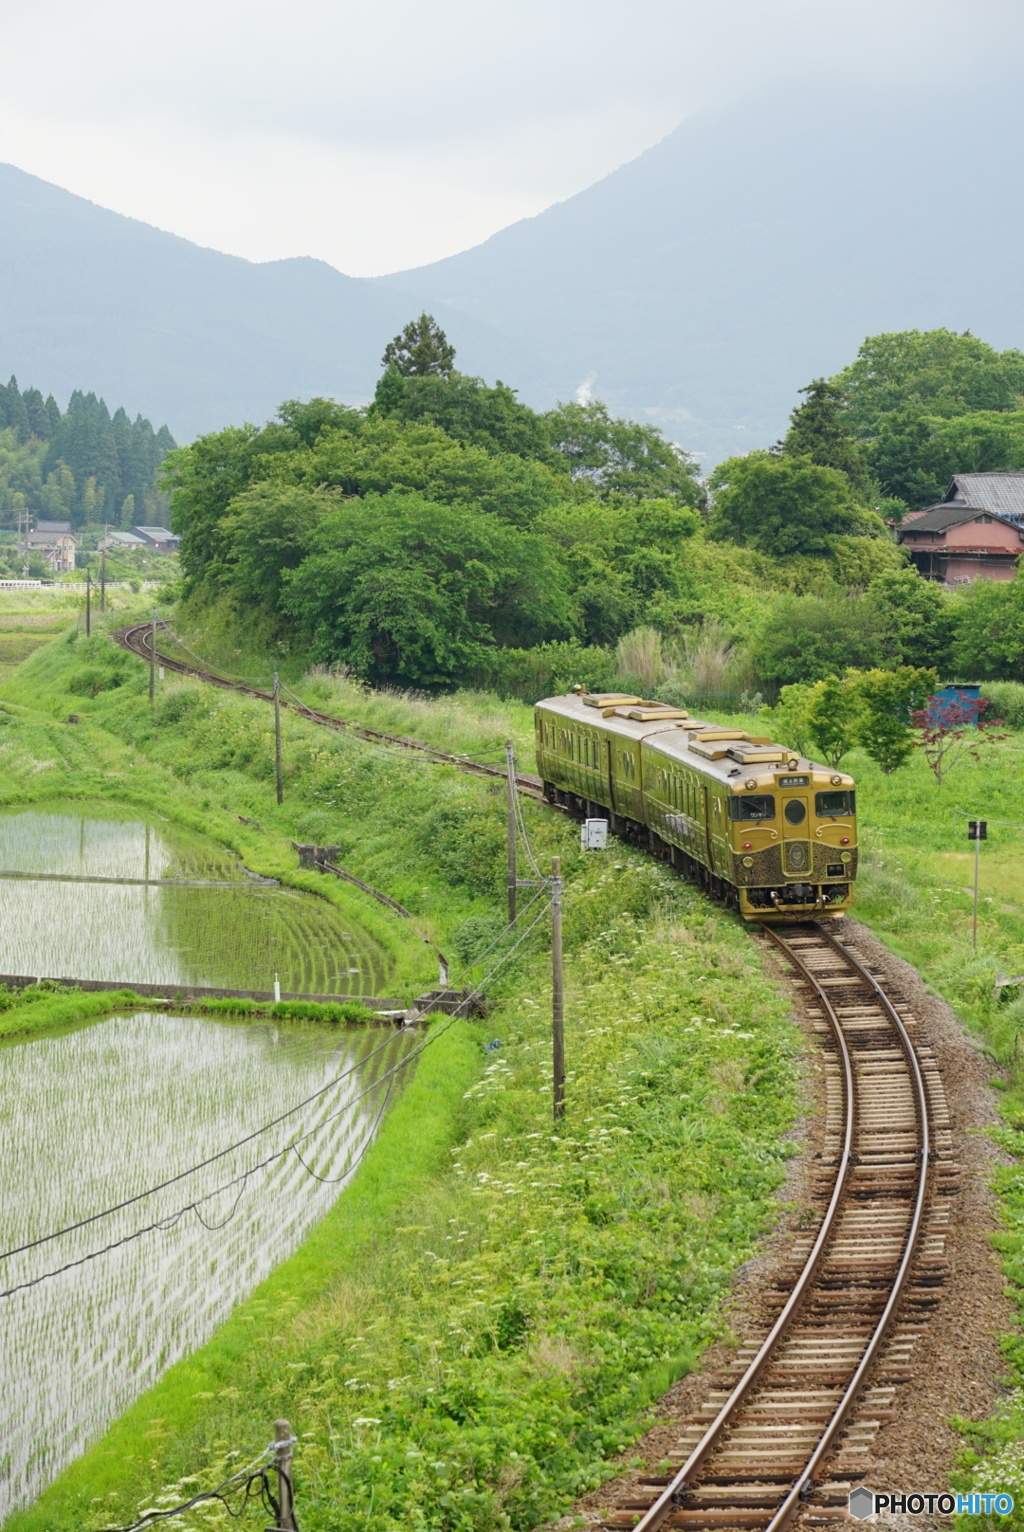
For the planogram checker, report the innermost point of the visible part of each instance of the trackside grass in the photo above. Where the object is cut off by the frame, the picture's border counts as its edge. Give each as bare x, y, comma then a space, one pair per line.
480, 1323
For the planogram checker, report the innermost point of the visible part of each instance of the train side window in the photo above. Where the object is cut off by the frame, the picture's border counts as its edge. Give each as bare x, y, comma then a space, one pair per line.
835, 805
754, 806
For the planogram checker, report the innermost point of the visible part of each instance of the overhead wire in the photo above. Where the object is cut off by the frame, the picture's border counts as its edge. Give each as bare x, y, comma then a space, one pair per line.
169, 1221
182, 1175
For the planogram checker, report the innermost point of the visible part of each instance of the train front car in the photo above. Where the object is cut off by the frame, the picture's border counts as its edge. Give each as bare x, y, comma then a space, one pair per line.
773, 833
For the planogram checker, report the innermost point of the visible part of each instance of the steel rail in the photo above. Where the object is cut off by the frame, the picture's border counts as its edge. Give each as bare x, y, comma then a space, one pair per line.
670, 1497
805, 1483
138, 641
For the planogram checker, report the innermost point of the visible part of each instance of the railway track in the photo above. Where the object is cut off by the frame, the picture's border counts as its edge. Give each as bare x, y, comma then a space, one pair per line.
138, 641
788, 1431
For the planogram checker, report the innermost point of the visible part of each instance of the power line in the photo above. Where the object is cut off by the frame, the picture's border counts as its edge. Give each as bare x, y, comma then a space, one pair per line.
170, 1221
202, 1165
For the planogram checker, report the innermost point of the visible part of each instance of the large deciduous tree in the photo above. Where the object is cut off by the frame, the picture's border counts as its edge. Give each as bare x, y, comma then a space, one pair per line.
413, 593
784, 504
621, 456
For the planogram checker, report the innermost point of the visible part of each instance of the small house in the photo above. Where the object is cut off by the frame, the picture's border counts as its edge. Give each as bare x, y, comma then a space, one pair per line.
161, 539
56, 542
976, 531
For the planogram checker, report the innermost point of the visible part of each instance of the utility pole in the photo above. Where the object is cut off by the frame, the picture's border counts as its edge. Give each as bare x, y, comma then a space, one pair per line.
284, 1441
28, 525
103, 570
152, 657
557, 991
977, 831
510, 772
88, 602
277, 735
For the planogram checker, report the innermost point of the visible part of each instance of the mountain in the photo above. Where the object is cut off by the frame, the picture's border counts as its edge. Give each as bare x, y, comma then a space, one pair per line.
698, 286
702, 284
95, 301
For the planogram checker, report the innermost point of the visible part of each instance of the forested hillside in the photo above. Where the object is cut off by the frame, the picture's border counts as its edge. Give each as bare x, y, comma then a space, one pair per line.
83, 465
448, 535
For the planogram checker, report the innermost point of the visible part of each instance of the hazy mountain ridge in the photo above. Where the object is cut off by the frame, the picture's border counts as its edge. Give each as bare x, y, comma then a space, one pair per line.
698, 286
184, 334
706, 281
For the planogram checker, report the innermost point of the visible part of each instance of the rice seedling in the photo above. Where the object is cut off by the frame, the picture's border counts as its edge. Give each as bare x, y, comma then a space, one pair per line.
96, 1116
232, 937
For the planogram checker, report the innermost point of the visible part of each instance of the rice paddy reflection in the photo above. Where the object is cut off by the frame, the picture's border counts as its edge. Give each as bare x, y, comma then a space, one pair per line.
235, 937
95, 1116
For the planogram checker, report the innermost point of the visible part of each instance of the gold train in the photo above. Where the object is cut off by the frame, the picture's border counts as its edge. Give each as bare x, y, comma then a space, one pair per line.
759, 826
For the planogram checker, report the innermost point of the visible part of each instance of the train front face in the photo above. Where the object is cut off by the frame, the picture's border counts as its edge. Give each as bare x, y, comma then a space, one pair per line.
794, 842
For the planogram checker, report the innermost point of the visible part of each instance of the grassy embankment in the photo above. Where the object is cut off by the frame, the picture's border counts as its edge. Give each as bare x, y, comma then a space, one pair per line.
481, 1321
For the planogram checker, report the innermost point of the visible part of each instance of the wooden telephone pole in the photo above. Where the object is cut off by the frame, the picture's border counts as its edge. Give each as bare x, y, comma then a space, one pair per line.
510, 772
277, 736
557, 992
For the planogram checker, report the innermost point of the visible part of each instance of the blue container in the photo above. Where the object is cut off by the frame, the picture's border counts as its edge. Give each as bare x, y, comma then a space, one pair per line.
951, 697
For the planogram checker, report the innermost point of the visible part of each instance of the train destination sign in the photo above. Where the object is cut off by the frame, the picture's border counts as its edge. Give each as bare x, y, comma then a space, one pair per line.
794, 781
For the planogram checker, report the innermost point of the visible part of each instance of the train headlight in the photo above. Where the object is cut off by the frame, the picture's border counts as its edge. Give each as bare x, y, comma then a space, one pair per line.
846, 856
748, 861
750, 784
836, 779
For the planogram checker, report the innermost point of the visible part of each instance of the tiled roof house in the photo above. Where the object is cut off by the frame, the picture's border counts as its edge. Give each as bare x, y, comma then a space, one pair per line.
976, 531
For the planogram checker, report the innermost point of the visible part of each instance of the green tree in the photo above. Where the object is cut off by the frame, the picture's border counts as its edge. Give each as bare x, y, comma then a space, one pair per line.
833, 709
927, 372
819, 430
413, 593
267, 529
990, 631
917, 619
421, 349
468, 410
785, 505
820, 718
915, 456
390, 454
888, 698
806, 638
621, 457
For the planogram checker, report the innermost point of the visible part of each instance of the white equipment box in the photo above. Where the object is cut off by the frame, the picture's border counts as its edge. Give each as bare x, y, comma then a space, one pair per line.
594, 835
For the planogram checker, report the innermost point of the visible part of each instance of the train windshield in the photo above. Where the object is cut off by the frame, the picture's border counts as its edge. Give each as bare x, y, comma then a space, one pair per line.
756, 806
840, 805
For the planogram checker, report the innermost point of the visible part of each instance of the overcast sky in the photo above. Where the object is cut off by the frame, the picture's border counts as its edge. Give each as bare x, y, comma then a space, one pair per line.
388, 133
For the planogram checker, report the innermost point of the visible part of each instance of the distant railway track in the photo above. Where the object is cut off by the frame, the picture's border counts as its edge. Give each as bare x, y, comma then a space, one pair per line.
138, 639
789, 1431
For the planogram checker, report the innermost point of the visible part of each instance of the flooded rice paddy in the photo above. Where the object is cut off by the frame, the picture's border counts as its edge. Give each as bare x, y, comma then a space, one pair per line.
111, 896
103, 1113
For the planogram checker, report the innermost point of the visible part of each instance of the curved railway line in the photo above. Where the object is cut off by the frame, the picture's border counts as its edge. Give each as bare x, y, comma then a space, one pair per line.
788, 1431
138, 641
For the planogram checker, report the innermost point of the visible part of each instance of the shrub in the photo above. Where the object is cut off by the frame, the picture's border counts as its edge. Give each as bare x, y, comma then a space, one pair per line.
1005, 699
